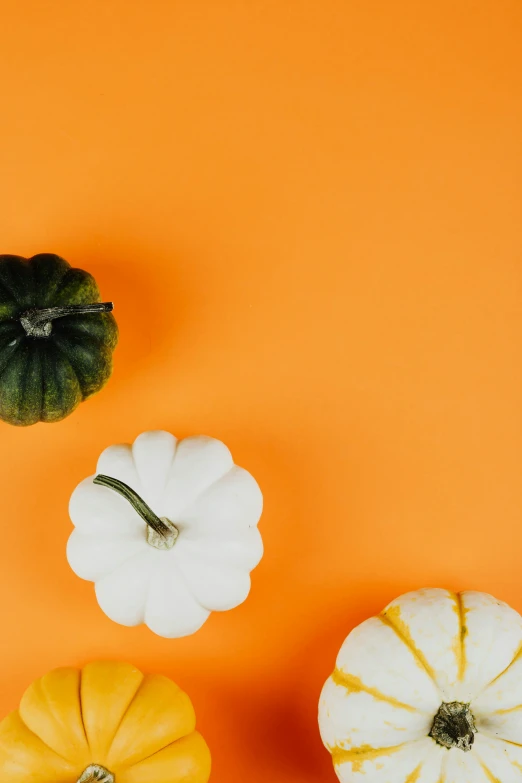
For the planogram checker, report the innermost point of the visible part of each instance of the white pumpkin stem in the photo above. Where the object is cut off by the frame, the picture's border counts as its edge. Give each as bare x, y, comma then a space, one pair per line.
454, 726
38, 323
162, 534
96, 774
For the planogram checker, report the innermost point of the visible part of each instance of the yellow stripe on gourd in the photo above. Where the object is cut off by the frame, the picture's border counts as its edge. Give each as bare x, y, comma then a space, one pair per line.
508, 710
392, 618
354, 685
415, 775
490, 775
516, 657
459, 645
357, 756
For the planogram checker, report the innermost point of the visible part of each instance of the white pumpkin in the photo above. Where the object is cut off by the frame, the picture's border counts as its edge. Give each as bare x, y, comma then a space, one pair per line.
429, 691
167, 531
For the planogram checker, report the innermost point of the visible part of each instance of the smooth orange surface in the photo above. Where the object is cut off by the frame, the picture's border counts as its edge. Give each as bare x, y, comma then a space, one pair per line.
308, 215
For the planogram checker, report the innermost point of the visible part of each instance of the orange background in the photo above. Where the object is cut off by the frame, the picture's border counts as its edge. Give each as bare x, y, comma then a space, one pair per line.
308, 215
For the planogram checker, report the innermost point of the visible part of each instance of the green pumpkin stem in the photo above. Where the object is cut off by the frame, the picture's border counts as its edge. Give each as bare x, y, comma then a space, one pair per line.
162, 534
38, 323
96, 774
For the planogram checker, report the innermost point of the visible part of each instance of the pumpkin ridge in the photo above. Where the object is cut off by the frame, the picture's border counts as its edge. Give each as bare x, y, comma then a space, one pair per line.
401, 630
516, 657
489, 773
414, 776
40, 363
180, 568
10, 285
508, 710
8, 295
136, 555
203, 491
443, 765
357, 756
25, 357
10, 327
220, 478
15, 355
45, 384
73, 270
10, 336
51, 374
156, 752
174, 566
62, 343
460, 648
184, 580
7, 361
125, 560
69, 334
7, 292
53, 713
354, 684
80, 702
496, 738
109, 746
51, 292
168, 474
51, 750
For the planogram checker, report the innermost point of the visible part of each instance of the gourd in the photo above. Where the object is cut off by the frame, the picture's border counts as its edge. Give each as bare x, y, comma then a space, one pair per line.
56, 338
429, 691
167, 531
107, 723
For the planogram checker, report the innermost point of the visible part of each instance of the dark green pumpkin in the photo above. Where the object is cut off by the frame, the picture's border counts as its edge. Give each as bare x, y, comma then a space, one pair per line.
56, 338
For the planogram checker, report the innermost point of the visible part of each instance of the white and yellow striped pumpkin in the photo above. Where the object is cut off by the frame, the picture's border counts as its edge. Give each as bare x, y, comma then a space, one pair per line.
429, 691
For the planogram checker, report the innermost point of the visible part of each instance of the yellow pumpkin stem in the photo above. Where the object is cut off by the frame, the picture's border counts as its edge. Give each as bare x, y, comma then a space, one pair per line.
96, 774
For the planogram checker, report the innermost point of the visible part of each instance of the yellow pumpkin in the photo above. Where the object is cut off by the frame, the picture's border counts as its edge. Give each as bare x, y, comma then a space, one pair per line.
107, 723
